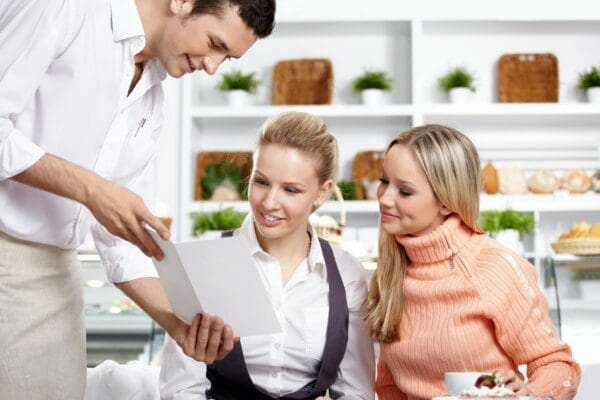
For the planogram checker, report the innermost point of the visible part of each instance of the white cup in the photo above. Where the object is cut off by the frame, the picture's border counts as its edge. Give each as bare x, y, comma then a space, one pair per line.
456, 382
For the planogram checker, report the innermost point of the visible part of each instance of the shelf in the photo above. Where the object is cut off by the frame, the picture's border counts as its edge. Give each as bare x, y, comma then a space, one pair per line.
330, 206
542, 202
513, 109
349, 110
528, 202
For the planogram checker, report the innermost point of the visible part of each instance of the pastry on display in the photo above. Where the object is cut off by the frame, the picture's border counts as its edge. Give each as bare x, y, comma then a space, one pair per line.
512, 180
488, 387
582, 239
582, 230
596, 181
595, 231
577, 181
578, 230
543, 182
489, 177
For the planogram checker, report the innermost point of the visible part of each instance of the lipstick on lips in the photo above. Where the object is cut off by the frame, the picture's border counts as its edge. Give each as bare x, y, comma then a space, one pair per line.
387, 217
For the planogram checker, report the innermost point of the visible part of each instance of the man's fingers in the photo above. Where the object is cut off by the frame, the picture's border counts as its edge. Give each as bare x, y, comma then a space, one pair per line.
157, 225
214, 341
143, 237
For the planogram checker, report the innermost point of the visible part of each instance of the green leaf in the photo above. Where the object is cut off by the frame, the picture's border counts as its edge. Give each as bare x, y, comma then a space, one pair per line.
372, 80
218, 174
236, 80
589, 79
222, 220
349, 190
494, 221
457, 78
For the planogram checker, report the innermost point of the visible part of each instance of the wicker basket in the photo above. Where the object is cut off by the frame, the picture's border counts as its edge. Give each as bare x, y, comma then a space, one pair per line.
366, 165
241, 159
332, 231
528, 78
303, 81
577, 246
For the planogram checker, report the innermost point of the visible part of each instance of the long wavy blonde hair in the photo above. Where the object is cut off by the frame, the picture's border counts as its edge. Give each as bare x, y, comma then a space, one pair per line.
451, 164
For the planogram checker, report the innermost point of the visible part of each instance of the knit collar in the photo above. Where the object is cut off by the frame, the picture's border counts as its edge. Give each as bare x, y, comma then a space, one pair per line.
441, 244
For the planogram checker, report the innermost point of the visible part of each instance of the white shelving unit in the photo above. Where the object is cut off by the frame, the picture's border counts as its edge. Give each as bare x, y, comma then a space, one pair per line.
416, 44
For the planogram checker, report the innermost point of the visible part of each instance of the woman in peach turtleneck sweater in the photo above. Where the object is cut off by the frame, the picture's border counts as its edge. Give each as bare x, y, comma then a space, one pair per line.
445, 297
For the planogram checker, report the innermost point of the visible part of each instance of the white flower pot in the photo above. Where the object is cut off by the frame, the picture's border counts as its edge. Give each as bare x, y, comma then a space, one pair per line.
590, 289
210, 235
593, 94
509, 238
238, 98
460, 95
372, 97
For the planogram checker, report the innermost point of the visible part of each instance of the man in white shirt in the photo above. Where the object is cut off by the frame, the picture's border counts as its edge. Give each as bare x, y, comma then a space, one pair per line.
80, 115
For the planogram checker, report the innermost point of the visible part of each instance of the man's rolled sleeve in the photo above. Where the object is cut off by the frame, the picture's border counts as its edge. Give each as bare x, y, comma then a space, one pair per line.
17, 153
123, 261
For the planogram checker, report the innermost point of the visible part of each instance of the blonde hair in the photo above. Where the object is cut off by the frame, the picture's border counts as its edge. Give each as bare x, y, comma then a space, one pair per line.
451, 164
307, 133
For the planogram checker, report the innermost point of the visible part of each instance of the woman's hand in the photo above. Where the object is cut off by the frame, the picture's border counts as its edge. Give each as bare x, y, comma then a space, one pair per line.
512, 381
323, 398
205, 340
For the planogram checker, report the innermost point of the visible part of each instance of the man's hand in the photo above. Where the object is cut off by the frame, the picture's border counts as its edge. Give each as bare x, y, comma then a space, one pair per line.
124, 214
202, 340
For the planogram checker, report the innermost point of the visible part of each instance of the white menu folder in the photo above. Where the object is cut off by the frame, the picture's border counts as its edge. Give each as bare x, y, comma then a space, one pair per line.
219, 277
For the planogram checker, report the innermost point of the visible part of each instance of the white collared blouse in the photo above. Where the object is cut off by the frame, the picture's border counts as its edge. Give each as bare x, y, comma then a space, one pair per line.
285, 362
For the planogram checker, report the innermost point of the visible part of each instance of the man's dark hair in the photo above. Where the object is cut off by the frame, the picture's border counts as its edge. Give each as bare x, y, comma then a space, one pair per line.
259, 15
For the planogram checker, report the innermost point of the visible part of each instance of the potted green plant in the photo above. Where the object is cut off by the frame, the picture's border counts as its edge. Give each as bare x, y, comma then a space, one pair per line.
371, 85
210, 225
222, 182
349, 190
590, 82
507, 227
458, 83
238, 86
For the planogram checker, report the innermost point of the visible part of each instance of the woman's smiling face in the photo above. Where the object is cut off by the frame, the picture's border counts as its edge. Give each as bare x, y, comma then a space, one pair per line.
283, 190
407, 204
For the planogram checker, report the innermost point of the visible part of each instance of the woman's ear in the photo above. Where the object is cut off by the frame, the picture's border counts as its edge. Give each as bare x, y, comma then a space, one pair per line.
176, 6
324, 192
445, 211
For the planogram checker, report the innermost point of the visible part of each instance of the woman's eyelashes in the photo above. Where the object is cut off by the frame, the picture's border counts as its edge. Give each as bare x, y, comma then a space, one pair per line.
402, 191
289, 189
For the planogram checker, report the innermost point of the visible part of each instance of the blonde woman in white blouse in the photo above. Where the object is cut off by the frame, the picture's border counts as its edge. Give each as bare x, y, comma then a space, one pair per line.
317, 290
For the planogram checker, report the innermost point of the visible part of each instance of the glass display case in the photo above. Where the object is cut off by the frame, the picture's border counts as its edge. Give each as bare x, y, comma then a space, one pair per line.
116, 329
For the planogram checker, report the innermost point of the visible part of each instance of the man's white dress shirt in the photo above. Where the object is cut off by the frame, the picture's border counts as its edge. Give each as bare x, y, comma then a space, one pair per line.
285, 362
65, 70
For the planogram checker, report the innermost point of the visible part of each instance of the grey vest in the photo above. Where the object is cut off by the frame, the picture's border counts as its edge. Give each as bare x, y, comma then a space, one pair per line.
230, 379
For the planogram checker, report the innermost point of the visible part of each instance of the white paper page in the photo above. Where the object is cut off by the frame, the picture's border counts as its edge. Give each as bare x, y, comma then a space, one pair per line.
224, 280
175, 281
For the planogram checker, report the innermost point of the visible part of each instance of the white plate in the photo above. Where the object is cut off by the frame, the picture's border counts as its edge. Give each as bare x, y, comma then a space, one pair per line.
474, 398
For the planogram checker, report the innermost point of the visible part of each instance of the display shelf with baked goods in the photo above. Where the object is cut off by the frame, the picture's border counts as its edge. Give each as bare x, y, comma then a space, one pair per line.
532, 145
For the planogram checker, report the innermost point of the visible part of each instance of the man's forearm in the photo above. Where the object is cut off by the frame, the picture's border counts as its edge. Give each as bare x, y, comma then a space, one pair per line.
149, 294
61, 177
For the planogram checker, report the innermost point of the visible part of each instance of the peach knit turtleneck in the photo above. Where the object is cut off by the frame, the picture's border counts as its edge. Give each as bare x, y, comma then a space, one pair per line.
471, 305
